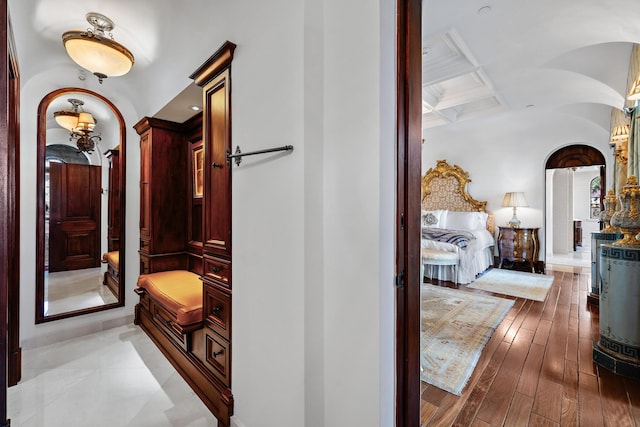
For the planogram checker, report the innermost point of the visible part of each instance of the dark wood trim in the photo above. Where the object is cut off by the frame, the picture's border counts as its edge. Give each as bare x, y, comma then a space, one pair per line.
574, 156
13, 87
40, 163
409, 135
9, 214
220, 60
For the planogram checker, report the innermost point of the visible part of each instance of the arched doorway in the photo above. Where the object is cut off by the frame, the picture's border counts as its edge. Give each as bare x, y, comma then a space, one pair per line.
569, 217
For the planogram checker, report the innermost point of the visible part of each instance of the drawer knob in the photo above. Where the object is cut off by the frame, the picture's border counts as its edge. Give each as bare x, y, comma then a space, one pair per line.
217, 353
216, 310
216, 269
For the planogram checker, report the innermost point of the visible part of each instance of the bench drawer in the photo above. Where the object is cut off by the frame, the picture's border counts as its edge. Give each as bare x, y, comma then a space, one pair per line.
217, 357
217, 309
218, 270
166, 321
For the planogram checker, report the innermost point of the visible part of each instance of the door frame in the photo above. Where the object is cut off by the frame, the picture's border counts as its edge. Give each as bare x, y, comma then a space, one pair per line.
10, 367
408, 174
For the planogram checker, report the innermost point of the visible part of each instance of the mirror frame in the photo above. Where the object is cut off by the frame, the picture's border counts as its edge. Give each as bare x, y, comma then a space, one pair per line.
40, 174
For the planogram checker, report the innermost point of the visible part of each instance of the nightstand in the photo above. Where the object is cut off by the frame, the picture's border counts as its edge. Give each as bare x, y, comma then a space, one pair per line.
518, 245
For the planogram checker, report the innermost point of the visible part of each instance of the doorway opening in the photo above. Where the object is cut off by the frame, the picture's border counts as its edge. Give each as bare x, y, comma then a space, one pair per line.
575, 186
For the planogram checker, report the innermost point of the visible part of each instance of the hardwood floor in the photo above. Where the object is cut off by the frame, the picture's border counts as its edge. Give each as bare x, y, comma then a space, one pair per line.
537, 369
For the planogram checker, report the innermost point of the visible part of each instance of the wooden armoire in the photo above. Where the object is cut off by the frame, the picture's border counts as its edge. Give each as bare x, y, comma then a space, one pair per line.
185, 224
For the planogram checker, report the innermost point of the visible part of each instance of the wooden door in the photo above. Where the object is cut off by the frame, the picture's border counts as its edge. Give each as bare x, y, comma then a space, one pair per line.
217, 227
74, 216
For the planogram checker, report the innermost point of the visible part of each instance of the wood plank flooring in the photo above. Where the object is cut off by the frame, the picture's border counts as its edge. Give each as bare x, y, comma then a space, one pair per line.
537, 369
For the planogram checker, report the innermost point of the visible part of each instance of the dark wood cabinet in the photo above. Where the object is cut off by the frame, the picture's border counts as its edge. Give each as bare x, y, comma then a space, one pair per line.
217, 184
185, 224
214, 76
518, 246
113, 201
163, 195
577, 234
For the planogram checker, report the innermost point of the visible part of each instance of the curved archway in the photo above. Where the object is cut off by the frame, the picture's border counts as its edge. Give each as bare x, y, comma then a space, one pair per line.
120, 140
575, 156
563, 226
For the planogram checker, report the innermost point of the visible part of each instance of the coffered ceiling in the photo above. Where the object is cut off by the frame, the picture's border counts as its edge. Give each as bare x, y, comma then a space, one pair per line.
499, 57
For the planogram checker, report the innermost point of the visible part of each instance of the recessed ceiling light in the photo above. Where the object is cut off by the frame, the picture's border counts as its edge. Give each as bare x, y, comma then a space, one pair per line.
484, 10
194, 108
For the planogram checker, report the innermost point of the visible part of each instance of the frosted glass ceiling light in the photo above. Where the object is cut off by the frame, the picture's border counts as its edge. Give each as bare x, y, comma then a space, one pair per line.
69, 119
96, 50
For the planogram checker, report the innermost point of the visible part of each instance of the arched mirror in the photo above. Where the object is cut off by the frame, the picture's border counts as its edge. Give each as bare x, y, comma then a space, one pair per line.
81, 193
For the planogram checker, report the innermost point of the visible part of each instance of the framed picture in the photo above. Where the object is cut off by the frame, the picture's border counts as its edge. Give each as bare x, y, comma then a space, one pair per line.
198, 172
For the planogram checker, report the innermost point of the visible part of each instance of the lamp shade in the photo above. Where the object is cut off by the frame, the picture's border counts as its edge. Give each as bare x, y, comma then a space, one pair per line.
86, 123
619, 133
634, 94
66, 119
515, 199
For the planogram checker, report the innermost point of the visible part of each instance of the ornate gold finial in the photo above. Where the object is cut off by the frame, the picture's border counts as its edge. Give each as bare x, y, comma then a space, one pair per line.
628, 217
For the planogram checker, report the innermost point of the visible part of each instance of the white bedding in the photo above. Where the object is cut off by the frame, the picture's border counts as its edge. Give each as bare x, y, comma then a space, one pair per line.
474, 259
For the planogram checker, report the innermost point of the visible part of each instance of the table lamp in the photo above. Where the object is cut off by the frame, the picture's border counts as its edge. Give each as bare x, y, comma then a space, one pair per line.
514, 200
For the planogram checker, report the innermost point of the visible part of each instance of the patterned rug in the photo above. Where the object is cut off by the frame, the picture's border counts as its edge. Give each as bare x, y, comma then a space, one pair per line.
515, 283
455, 327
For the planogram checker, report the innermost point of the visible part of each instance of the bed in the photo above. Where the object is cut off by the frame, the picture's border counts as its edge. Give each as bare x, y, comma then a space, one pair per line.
453, 221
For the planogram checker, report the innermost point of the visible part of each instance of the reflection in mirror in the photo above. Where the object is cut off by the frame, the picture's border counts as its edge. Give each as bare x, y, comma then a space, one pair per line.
81, 137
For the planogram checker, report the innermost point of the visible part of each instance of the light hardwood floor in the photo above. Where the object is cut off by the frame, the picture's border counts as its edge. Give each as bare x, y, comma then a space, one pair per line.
537, 369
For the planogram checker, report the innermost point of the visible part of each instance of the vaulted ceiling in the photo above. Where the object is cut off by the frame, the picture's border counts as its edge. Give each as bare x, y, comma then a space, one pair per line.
500, 57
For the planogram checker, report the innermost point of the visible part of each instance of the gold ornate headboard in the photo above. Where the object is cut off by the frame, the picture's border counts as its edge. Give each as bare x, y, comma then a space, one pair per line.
445, 187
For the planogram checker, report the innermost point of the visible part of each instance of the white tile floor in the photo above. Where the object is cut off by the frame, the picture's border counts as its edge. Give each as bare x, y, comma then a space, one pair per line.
580, 258
75, 290
115, 378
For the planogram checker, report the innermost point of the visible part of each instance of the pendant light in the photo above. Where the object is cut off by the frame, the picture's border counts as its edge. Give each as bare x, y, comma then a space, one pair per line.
69, 119
96, 50
80, 124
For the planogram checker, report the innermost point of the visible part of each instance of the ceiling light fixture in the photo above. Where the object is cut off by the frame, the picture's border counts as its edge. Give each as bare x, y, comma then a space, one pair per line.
80, 124
69, 119
96, 50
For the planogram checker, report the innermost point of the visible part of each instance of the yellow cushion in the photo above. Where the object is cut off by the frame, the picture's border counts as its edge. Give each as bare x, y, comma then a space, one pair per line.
179, 291
112, 258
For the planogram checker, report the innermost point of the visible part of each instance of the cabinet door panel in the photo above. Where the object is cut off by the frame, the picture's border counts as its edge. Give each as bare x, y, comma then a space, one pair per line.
218, 183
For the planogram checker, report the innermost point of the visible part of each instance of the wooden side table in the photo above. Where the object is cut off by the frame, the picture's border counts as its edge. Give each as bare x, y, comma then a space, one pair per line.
518, 245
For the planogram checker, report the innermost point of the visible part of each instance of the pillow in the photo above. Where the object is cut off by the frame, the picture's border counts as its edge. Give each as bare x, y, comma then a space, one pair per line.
466, 220
433, 219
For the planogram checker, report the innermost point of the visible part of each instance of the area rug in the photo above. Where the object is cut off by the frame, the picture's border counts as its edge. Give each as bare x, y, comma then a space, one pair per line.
515, 283
455, 327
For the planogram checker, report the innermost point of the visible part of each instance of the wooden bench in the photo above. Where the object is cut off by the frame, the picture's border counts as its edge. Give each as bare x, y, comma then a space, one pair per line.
170, 311
112, 275
433, 257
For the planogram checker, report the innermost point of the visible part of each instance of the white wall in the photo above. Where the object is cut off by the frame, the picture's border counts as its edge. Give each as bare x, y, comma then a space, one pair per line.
508, 152
313, 243
562, 220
